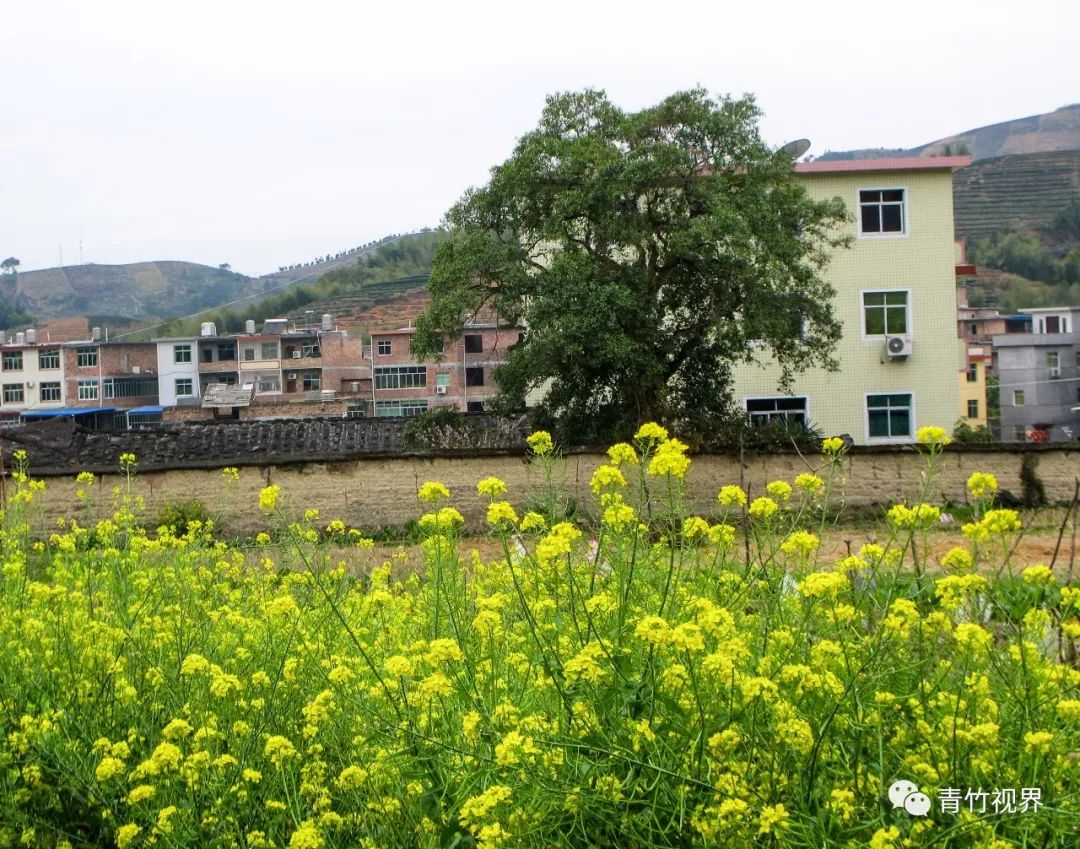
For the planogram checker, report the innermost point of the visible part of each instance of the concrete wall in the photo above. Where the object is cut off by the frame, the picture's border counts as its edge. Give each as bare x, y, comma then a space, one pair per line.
373, 493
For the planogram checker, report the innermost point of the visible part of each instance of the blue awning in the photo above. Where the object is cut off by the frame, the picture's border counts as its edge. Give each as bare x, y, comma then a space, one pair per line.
66, 411
151, 408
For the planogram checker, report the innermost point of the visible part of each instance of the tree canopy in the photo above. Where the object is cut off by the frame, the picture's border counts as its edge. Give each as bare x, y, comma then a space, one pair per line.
644, 253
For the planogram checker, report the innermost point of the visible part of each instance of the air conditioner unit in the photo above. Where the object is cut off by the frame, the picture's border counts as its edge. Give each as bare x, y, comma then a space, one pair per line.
29, 384
296, 355
897, 347
440, 390
292, 375
1055, 372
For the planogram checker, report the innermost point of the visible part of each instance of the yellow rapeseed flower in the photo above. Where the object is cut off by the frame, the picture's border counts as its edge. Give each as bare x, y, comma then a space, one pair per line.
932, 436
433, 492
541, 443
731, 496
982, 484
491, 487
622, 454
268, 498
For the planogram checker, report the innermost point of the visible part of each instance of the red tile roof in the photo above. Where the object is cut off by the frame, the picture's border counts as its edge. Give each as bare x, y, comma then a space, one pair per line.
900, 163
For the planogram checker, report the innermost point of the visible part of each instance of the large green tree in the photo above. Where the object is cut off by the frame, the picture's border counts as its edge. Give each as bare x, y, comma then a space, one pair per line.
645, 253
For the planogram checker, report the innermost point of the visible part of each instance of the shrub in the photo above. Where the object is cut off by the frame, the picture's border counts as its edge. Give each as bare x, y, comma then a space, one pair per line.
179, 516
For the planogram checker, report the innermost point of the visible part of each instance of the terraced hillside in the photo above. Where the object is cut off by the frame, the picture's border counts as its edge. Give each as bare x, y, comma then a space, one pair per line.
382, 306
1014, 193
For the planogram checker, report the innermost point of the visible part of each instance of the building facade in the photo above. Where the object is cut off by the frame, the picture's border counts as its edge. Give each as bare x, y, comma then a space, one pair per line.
1039, 375
896, 282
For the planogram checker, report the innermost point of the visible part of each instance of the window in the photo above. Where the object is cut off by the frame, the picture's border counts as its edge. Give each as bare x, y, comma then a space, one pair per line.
474, 376
268, 383
12, 361
973, 408
973, 373
88, 389
474, 343
129, 387
1020, 433
86, 358
881, 211
269, 351
384, 347
764, 410
312, 381
50, 392
184, 388
400, 408
226, 351
1053, 324
249, 355
354, 411
974, 330
400, 377
889, 416
1053, 362
474, 407
442, 378
181, 353
885, 313
49, 359
1018, 397
13, 393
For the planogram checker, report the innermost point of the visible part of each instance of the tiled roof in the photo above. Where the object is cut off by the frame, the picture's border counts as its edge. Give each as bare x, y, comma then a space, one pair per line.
898, 163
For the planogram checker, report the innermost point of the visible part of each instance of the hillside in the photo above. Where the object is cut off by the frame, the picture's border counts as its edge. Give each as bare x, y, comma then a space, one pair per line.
147, 290
1014, 193
1048, 133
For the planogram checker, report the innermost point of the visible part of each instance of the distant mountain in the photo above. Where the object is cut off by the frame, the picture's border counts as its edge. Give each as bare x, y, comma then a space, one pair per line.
1054, 131
157, 290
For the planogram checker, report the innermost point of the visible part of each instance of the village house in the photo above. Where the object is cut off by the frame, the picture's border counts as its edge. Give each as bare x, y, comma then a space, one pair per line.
900, 358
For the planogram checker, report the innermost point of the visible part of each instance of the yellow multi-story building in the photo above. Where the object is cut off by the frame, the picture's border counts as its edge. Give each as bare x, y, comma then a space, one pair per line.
896, 298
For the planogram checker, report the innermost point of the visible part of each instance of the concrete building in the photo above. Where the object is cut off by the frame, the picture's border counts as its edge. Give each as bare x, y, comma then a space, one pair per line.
1039, 376
900, 359
32, 376
462, 379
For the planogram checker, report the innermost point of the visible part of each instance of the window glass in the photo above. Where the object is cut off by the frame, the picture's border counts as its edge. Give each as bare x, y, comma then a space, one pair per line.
184, 387
50, 392
400, 377
973, 373
765, 410
88, 389
384, 347
474, 376
889, 416
1018, 397
269, 351
12, 361
13, 393
885, 313
474, 343
49, 359
442, 378
86, 357
881, 211
181, 353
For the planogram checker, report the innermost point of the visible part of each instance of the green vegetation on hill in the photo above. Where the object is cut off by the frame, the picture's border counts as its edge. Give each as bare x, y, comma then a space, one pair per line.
12, 315
390, 270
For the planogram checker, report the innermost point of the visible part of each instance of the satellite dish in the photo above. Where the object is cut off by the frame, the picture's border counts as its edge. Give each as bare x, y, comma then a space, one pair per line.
796, 148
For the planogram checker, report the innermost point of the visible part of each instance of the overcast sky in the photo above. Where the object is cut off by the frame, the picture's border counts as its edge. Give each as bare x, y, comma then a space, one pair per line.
262, 134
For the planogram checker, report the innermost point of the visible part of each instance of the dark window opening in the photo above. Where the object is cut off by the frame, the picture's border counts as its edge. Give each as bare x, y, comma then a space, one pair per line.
474, 376
474, 343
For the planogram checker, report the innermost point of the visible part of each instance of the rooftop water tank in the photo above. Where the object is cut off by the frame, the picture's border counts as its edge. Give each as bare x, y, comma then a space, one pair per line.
327, 321
275, 326
249, 326
31, 336
95, 333
20, 338
207, 329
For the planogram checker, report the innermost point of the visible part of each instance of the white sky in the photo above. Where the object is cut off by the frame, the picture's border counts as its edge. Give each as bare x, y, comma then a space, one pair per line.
262, 134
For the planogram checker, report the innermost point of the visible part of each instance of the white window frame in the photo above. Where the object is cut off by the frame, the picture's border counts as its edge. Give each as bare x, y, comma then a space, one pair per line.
15, 389
178, 350
190, 386
87, 390
379, 352
87, 357
889, 440
1019, 393
52, 385
905, 218
52, 354
16, 358
805, 399
878, 337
